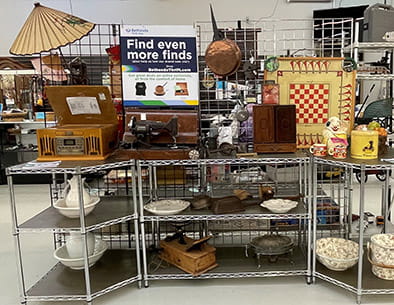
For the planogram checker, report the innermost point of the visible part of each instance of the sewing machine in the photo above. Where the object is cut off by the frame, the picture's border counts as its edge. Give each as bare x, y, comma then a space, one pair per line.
161, 134
144, 132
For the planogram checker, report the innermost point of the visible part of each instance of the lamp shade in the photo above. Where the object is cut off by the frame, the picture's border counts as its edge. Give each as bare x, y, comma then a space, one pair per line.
46, 29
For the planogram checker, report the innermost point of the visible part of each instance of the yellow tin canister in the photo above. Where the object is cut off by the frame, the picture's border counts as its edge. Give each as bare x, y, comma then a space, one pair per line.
364, 144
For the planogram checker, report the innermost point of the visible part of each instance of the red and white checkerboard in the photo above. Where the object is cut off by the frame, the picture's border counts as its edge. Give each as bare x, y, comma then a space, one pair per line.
312, 102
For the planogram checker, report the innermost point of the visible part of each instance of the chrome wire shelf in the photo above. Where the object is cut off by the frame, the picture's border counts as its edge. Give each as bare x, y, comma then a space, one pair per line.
110, 211
358, 163
68, 167
265, 159
232, 263
382, 77
251, 213
116, 269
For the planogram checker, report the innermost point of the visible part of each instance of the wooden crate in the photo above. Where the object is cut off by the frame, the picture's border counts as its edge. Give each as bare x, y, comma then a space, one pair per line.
189, 258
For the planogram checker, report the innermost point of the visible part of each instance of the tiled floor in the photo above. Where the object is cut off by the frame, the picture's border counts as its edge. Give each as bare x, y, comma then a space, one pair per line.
38, 258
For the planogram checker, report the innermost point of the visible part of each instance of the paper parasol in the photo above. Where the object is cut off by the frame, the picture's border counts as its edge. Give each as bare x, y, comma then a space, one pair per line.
46, 29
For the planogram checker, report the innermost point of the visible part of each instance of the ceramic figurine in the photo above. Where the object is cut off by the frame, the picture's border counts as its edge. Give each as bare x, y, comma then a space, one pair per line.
71, 193
335, 129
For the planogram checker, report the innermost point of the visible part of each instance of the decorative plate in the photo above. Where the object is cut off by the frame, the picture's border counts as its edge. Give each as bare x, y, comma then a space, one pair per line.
167, 207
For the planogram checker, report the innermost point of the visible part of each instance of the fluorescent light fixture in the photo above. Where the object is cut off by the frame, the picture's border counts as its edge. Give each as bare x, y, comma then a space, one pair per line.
309, 1
17, 72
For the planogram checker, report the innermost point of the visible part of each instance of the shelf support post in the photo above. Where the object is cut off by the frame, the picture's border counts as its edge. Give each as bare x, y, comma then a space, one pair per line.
136, 224
15, 233
83, 233
361, 235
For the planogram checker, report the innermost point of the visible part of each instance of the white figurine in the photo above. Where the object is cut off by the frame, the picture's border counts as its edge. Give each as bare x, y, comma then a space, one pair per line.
335, 128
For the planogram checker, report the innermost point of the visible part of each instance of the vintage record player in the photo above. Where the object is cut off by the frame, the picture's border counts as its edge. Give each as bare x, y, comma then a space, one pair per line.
87, 127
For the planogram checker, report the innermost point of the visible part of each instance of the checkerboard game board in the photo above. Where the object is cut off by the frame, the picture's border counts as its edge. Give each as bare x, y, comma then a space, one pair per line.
320, 88
312, 102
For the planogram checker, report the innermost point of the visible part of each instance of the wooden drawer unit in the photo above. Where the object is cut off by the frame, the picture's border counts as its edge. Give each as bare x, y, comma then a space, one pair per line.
274, 128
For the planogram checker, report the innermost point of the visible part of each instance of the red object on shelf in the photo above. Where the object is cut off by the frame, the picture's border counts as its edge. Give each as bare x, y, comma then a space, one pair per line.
271, 94
114, 53
118, 104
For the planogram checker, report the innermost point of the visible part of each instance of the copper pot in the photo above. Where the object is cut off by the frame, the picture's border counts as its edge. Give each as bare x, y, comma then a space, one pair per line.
223, 55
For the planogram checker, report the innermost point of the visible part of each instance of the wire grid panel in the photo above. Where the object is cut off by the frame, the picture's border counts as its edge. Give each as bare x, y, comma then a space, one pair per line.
92, 60
89, 57
230, 275
257, 41
233, 255
230, 232
282, 37
333, 201
103, 182
218, 179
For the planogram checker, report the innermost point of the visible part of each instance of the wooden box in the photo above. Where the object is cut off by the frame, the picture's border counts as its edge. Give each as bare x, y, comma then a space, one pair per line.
274, 128
194, 257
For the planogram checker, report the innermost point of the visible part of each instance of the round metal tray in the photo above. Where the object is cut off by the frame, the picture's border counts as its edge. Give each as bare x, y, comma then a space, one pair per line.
270, 245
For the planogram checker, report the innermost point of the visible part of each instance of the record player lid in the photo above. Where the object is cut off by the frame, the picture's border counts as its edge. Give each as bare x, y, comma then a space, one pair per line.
82, 104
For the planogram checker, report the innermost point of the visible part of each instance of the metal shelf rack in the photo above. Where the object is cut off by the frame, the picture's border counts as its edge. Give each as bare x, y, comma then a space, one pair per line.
324, 187
358, 279
233, 264
120, 265
383, 77
117, 268
288, 175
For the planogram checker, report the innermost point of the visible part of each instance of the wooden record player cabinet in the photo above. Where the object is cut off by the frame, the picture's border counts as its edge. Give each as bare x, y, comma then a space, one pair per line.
274, 128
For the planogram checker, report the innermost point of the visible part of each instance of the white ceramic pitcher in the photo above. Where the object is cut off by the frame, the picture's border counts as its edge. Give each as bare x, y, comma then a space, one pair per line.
74, 244
71, 193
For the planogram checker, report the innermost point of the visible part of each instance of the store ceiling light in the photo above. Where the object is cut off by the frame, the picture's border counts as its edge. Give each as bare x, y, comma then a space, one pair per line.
46, 29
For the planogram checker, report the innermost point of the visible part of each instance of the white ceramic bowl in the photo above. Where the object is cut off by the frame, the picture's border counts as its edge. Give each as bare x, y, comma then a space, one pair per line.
60, 205
279, 205
75, 244
167, 207
337, 254
62, 255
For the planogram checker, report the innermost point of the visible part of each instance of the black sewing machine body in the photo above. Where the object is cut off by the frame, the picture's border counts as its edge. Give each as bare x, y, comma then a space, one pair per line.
145, 132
